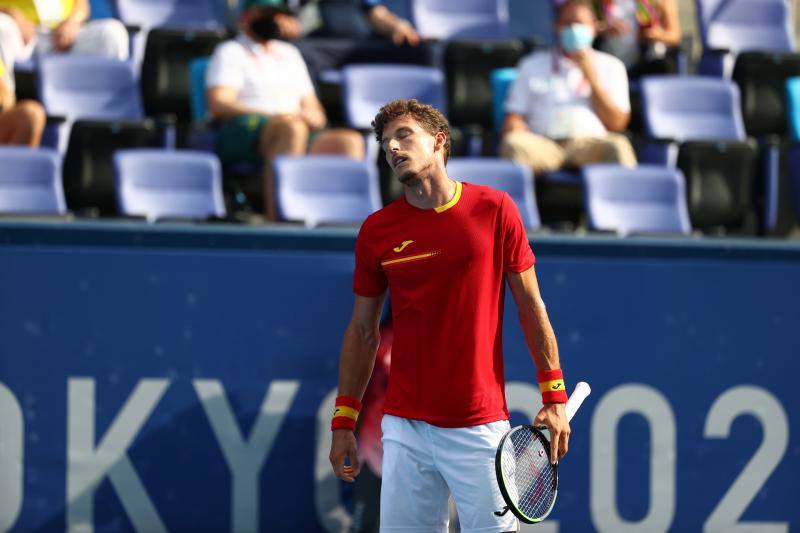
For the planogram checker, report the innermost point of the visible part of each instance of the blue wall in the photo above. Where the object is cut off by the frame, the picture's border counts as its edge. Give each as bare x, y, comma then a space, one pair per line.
129, 353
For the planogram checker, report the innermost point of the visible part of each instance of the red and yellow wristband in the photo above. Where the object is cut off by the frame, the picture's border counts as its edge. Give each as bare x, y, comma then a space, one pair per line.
551, 385
345, 413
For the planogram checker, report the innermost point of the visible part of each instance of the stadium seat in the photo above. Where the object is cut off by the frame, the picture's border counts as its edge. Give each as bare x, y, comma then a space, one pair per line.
461, 19
101, 104
533, 21
165, 77
559, 194
366, 88
197, 88
168, 184
468, 70
761, 77
500, 80
325, 189
729, 27
644, 199
793, 107
194, 14
30, 182
793, 164
501, 174
695, 123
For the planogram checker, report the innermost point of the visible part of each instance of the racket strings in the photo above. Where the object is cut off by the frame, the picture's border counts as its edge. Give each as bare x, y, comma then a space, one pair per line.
526, 466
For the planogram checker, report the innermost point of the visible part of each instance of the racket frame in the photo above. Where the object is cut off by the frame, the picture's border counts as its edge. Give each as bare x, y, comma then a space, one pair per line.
501, 478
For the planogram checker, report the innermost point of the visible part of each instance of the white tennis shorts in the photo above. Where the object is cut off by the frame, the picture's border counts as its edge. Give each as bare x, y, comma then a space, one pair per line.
424, 464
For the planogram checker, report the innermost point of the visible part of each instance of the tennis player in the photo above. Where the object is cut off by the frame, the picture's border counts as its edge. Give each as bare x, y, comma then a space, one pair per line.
443, 251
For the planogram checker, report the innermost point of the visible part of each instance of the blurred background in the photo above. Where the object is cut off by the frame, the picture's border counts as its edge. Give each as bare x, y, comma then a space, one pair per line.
181, 184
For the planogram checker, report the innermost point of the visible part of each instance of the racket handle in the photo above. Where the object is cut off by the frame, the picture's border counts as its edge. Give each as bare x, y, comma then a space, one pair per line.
582, 390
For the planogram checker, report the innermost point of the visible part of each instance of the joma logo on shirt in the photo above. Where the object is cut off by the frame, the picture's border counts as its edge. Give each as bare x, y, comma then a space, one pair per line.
402, 247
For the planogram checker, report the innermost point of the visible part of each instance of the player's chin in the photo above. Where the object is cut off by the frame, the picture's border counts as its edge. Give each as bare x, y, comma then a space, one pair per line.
408, 177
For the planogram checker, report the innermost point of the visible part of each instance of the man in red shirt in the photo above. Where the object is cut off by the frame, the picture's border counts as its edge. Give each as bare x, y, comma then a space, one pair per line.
443, 250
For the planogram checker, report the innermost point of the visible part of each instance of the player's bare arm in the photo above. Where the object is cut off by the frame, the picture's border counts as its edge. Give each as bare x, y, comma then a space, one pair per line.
360, 344
542, 344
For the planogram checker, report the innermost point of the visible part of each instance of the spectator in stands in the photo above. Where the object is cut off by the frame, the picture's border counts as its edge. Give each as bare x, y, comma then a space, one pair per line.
260, 89
639, 32
20, 122
46, 26
333, 33
568, 106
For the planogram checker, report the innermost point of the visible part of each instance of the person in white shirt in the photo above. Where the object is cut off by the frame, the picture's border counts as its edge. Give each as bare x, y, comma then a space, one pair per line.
568, 107
30, 27
259, 88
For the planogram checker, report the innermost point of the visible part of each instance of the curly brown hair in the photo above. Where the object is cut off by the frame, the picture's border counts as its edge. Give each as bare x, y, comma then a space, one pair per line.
427, 116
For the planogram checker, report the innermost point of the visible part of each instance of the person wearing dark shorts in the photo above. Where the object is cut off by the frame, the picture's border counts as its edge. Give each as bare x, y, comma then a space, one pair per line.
260, 90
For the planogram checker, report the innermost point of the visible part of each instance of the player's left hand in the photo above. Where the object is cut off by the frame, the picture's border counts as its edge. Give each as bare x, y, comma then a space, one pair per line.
554, 417
64, 34
403, 32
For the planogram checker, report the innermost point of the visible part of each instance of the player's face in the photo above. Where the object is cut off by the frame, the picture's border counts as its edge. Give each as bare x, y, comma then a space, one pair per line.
409, 149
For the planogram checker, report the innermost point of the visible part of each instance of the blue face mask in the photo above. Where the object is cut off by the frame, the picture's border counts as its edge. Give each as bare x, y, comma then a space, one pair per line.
576, 37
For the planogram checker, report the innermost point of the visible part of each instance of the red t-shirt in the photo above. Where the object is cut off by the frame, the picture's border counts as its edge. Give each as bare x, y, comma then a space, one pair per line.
444, 268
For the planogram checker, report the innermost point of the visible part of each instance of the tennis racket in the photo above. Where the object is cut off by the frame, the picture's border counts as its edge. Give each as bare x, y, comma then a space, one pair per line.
527, 479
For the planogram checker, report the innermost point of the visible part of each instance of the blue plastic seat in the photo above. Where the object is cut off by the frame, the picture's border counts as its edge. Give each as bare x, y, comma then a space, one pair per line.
325, 189
501, 80
162, 184
695, 123
461, 19
793, 106
684, 108
366, 88
533, 20
728, 27
101, 101
198, 14
30, 182
503, 175
197, 88
644, 199
87, 87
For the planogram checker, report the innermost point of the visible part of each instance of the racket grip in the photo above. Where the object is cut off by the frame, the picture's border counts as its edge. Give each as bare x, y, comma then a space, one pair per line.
582, 390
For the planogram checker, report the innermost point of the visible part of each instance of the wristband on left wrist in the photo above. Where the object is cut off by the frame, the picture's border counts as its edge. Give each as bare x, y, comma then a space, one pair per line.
551, 385
345, 413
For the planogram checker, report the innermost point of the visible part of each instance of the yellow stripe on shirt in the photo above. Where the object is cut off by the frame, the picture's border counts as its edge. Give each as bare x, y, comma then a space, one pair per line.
409, 258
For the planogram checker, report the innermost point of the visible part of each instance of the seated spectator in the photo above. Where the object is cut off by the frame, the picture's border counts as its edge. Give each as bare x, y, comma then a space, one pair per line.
568, 107
639, 32
260, 89
333, 33
46, 26
20, 123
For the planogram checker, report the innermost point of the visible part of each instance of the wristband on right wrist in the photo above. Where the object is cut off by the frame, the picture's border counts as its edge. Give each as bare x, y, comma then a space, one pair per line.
551, 385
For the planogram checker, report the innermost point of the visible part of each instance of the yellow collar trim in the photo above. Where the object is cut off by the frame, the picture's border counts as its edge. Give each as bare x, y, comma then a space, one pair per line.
452, 202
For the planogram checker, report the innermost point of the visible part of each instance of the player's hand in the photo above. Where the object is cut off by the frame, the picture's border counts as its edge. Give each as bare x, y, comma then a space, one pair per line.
26, 28
64, 34
404, 32
554, 417
344, 446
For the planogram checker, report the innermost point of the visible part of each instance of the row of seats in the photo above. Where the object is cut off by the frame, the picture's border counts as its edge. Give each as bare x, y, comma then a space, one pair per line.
693, 123
160, 184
